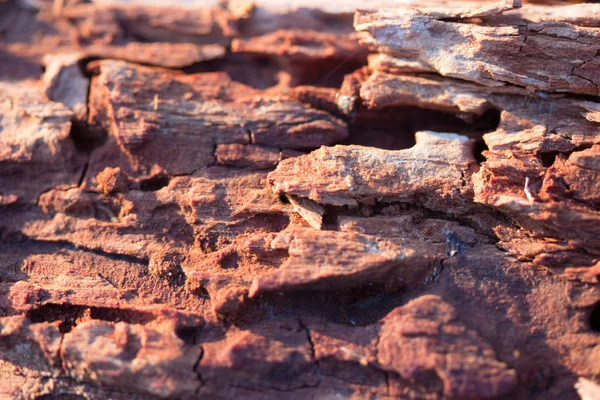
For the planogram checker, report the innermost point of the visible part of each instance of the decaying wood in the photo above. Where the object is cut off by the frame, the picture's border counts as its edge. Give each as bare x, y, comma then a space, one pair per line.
259, 200
318, 261
36, 152
146, 110
352, 174
489, 46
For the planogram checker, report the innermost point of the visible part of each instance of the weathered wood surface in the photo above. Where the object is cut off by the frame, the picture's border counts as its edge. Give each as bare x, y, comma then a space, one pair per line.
491, 46
257, 200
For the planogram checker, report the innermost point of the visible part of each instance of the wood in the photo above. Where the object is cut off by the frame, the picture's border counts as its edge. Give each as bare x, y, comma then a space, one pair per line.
489, 46
263, 201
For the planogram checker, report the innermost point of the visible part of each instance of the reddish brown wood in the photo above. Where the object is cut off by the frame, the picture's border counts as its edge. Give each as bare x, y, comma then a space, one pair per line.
233, 201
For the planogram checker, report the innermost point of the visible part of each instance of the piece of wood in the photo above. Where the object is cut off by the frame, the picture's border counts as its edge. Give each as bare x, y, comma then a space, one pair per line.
36, 151
431, 171
489, 46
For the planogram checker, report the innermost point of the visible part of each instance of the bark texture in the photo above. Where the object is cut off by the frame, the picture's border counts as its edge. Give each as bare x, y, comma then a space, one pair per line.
251, 200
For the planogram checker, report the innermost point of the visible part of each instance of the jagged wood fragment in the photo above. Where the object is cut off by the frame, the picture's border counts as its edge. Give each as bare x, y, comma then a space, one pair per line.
334, 260
426, 335
151, 360
198, 25
432, 173
309, 210
147, 110
36, 151
148, 35
488, 49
